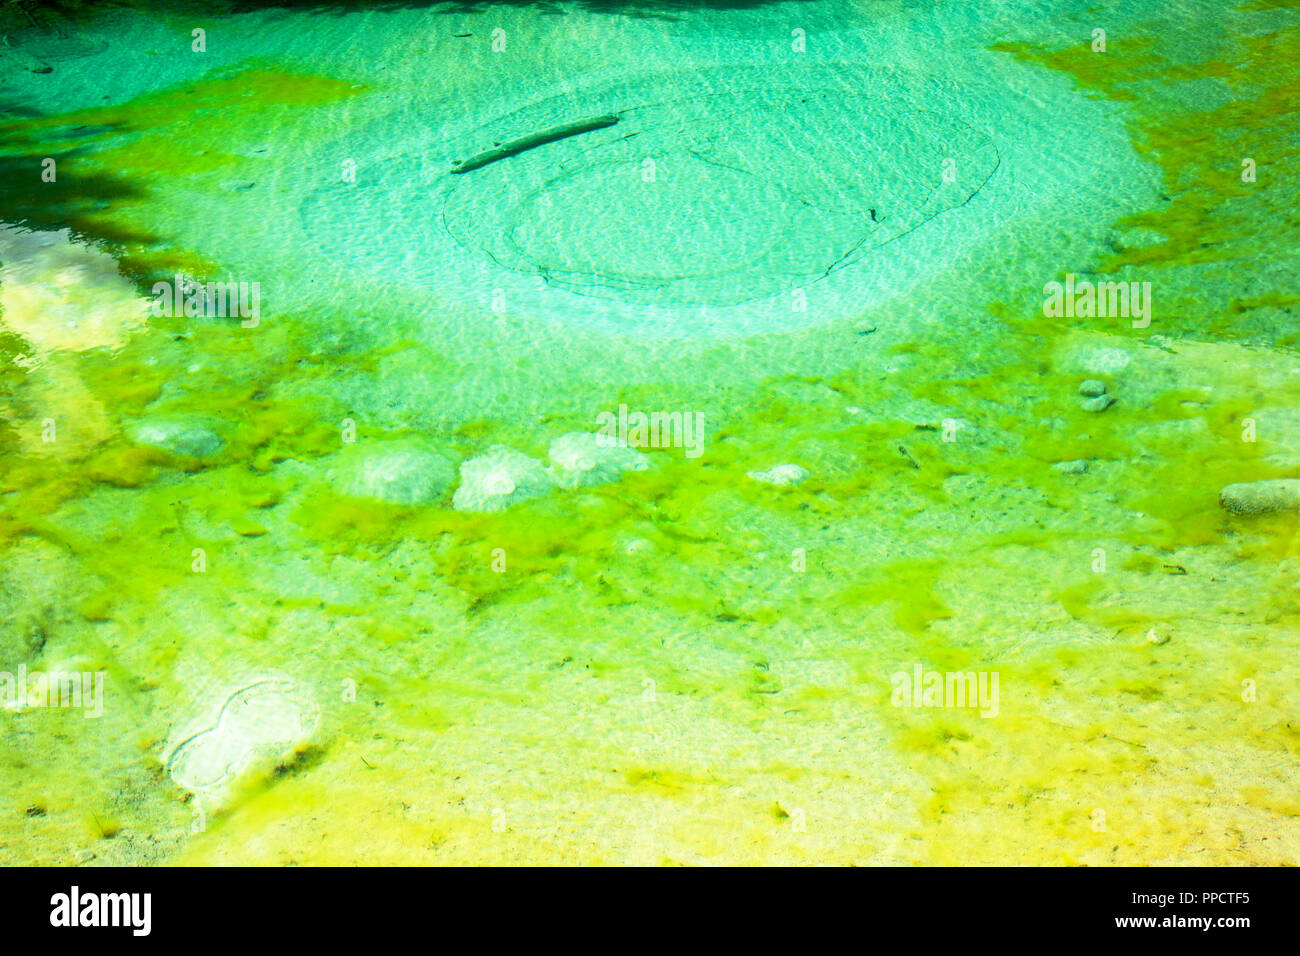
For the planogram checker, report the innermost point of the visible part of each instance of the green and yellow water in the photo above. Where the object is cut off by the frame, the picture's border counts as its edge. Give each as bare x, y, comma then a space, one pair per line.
684, 665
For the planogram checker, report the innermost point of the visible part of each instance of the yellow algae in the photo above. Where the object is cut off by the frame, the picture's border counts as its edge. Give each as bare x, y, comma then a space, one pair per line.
658, 780
1267, 800
561, 535
123, 466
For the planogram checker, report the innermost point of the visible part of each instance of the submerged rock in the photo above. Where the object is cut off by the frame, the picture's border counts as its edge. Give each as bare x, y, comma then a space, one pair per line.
1092, 387
578, 459
639, 546
177, 437
499, 477
783, 475
259, 721
1261, 497
1077, 467
1098, 404
404, 473
1104, 361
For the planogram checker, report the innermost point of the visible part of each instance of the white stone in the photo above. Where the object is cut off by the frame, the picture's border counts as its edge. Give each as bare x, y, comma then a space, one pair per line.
190, 439
1106, 361
1076, 467
783, 475
499, 477
400, 472
261, 721
639, 546
579, 459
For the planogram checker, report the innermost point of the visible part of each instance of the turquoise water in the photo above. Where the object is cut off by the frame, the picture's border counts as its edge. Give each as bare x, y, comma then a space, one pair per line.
363, 583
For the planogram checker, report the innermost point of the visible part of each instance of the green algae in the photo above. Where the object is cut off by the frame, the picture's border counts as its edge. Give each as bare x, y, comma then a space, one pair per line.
1208, 214
910, 586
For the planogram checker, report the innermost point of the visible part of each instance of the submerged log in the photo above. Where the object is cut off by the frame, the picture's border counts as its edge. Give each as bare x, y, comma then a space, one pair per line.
516, 146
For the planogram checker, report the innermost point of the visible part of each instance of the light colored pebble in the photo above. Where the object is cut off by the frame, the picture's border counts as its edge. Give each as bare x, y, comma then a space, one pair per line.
1105, 361
1092, 387
1261, 497
1076, 467
1098, 404
782, 475
191, 439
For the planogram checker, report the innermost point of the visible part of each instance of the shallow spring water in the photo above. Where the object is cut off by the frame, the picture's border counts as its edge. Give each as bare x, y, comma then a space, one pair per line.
622, 500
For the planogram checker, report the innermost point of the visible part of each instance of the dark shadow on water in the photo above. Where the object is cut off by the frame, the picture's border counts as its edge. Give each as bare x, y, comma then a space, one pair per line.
44, 11
75, 201
71, 202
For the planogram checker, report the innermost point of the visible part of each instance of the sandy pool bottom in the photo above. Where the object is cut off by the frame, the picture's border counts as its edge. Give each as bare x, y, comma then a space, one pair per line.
691, 666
